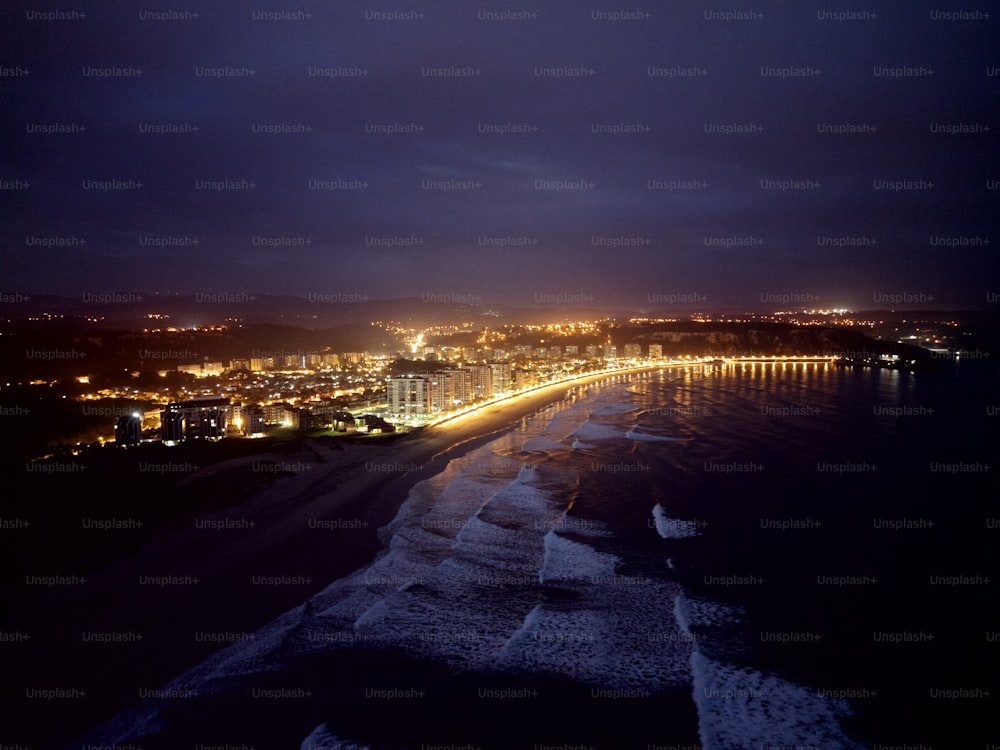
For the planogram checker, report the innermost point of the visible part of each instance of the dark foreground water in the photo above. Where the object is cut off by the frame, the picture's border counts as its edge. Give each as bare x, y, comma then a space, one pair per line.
754, 556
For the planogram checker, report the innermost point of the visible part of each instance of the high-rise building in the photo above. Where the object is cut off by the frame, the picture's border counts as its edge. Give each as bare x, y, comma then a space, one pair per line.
501, 377
482, 381
128, 429
410, 395
656, 351
633, 351
591, 351
253, 421
442, 390
212, 423
461, 385
524, 379
172, 424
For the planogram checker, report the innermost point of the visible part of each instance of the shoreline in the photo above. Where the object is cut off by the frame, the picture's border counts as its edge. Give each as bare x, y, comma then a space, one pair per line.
228, 566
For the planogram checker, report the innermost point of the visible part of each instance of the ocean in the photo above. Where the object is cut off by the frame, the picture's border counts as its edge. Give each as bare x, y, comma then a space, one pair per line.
767, 555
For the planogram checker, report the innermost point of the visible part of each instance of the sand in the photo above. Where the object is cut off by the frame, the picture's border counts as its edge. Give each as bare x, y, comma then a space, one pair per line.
231, 573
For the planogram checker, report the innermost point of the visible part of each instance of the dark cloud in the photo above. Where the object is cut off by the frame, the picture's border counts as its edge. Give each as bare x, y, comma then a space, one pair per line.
427, 188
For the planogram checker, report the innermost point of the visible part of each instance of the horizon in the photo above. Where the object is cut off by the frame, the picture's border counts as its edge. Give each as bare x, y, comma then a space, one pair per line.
565, 303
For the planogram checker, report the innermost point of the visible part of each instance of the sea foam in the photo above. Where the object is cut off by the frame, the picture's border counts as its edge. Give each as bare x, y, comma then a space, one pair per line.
739, 706
672, 528
638, 433
322, 739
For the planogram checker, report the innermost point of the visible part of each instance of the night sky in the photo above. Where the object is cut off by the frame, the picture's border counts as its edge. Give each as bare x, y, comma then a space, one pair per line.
353, 148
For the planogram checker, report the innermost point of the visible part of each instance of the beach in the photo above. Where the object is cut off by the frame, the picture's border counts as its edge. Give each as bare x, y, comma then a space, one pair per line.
130, 628
620, 550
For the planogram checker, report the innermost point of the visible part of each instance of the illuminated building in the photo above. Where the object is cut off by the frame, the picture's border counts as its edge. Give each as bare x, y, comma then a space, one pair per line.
482, 381
253, 421
451, 387
410, 395
656, 351
524, 379
274, 413
203, 369
442, 390
501, 377
461, 381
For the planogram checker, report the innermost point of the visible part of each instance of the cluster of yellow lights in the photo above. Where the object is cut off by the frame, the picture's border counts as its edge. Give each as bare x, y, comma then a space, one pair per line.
563, 328
47, 316
641, 321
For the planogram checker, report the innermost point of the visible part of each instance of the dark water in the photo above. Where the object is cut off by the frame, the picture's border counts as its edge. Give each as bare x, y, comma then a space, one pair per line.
788, 555
835, 546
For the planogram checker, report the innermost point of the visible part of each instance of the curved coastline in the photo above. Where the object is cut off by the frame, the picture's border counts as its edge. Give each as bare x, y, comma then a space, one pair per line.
374, 494
354, 492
